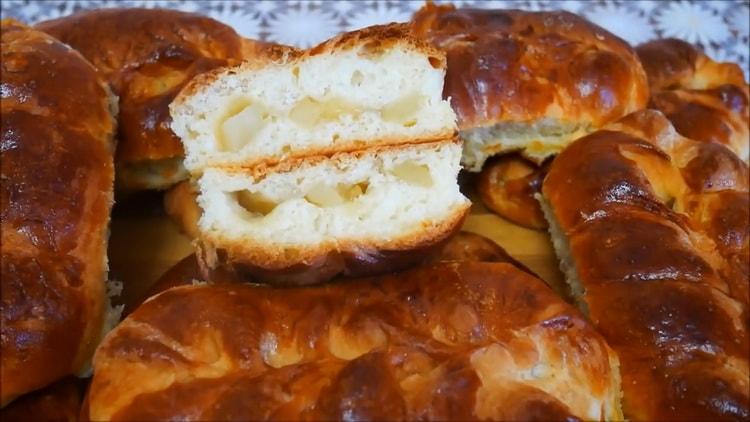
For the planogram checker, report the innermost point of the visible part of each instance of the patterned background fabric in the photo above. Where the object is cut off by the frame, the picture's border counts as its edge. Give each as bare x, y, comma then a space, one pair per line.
720, 27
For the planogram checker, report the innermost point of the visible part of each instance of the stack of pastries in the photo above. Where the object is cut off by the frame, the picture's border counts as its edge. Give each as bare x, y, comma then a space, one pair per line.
331, 279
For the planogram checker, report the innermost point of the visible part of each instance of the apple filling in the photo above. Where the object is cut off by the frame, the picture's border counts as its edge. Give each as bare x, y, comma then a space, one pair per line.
326, 196
245, 118
243, 121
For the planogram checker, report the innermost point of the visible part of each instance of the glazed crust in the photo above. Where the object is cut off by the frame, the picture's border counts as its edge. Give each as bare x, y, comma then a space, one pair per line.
148, 55
538, 64
443, 342
705, 100
57, 181
508, 185
657, 227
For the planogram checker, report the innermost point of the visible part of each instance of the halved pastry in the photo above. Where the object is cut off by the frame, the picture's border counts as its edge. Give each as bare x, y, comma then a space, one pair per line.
376, 86
341, 159
340, 212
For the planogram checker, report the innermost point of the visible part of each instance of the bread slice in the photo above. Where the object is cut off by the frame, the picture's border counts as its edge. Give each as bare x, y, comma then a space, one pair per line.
391, 198
376, 86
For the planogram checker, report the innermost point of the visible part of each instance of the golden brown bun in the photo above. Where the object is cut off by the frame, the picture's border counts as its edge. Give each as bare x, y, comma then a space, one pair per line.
548, 74
57, 177
507, 186
466, 246
148, 55
59, 402
653, 230
453, 341
705, 100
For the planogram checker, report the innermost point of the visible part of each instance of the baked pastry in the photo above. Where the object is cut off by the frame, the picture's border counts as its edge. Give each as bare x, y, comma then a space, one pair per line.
351, 214
181, 204
56, 194
454, 341
291, 177
373, 87
508, 185
148, 55
59, 402
652, 230
705, 100
530, 81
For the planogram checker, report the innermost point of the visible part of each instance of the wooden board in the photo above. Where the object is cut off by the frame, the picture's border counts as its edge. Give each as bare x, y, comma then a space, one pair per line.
144, 243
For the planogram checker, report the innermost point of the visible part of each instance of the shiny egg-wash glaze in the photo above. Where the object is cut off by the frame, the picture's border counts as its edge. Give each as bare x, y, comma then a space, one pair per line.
60, 402
508, 186
455, 341
530, 81
57, 181
653, 232
705, 100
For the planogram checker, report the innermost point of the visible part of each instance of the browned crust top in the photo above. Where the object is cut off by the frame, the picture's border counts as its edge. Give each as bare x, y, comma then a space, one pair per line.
508, 186
60, 401
397, 347
520, 66
658, 227
55, 198
671, 63
705, 100
463, 246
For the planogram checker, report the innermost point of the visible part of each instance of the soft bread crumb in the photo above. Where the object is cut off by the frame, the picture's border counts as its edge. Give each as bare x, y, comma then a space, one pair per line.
536, 141
340, 101
392, 197
562, 250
